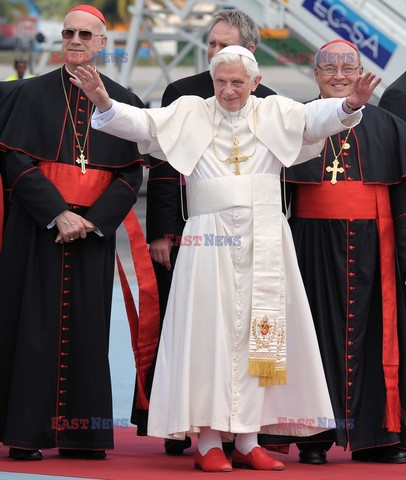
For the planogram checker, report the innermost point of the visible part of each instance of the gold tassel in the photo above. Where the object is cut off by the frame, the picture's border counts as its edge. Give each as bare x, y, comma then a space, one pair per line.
279, 378
261, 368
267, 372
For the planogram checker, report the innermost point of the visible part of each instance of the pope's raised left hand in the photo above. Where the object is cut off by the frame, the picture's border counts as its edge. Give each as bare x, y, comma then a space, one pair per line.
364, 86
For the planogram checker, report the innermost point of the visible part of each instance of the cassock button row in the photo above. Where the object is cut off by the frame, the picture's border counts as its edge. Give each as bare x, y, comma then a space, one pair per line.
66, 304
352, 234
349, 357
352, 289
351, 274
67, 254
237, 225
351, 260
351, 302
65, 329
349, 342
345, 154
350, 370
65, 317
81, 97
350, 329
351, 315
349, 384
347, 166
64, 354
352, 247
350, 179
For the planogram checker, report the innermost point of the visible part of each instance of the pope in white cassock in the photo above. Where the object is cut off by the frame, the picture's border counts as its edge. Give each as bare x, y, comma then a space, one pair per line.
238, 352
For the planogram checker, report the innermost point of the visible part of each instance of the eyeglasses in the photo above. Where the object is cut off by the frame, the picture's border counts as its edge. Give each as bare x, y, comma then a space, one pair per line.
69, 33
346, 71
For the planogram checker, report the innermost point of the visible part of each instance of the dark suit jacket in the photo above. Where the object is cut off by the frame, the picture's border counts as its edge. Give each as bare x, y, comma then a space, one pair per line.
394, 97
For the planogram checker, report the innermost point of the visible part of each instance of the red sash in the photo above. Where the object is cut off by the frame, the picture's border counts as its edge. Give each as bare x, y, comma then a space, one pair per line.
84, 189
354, 200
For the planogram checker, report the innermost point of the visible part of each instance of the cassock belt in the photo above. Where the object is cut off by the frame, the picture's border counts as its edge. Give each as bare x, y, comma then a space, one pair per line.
84, 190
354, 200
261, 192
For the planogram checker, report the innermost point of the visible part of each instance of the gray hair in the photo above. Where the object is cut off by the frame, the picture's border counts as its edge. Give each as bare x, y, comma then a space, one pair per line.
249, 33
250, 67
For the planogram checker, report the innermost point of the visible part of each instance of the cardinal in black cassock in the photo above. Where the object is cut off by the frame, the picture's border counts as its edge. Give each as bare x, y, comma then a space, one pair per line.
348, 219
55, 297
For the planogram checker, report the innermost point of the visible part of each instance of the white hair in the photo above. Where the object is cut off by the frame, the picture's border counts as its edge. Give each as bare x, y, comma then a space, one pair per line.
250, 67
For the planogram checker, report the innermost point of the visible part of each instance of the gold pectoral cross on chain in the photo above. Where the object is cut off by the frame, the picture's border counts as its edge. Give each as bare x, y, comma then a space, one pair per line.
83, 161
236, 158
335, 169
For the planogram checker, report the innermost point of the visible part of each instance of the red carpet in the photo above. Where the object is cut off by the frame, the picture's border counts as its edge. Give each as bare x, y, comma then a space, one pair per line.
143, 458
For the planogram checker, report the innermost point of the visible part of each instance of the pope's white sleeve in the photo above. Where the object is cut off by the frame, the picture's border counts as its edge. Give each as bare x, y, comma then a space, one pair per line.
123, 121
326, 117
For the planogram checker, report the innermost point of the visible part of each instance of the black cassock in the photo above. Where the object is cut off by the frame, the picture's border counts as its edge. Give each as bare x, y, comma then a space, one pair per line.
55, 300
340, 264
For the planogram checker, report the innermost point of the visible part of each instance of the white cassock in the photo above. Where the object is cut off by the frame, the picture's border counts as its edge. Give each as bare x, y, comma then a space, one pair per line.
201, 376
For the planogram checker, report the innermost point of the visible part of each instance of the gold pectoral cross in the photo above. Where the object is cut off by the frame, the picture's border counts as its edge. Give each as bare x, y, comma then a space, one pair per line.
335, 169
83, 161
236, 158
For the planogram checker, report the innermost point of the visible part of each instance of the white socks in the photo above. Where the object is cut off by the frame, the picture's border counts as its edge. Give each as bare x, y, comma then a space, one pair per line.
208, 439
245, 442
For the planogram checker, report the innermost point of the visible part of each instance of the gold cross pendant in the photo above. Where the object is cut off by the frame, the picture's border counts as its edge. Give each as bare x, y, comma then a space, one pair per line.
334, 169
236, 158
83, 161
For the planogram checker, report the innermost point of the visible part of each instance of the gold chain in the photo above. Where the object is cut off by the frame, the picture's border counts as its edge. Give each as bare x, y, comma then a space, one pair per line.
81, 149
344, 146
235, 139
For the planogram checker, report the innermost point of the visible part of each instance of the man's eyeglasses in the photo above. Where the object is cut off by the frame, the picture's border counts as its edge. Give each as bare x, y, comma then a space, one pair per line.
346, 71
69, 33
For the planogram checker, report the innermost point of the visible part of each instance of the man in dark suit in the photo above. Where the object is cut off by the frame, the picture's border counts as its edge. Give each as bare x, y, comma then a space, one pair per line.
394, 97
166, 207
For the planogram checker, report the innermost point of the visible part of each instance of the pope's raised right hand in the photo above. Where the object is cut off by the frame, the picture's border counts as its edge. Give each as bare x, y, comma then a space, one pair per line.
90, 82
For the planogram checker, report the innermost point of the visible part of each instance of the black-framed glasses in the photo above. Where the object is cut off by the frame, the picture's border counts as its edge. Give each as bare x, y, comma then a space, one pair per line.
69, 33
346, 71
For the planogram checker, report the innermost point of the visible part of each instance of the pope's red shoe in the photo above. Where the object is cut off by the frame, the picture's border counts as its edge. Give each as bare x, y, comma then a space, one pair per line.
213, 461
257, 459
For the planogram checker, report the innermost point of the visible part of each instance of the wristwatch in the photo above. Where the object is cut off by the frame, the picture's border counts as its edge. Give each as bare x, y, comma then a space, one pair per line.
350, 107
